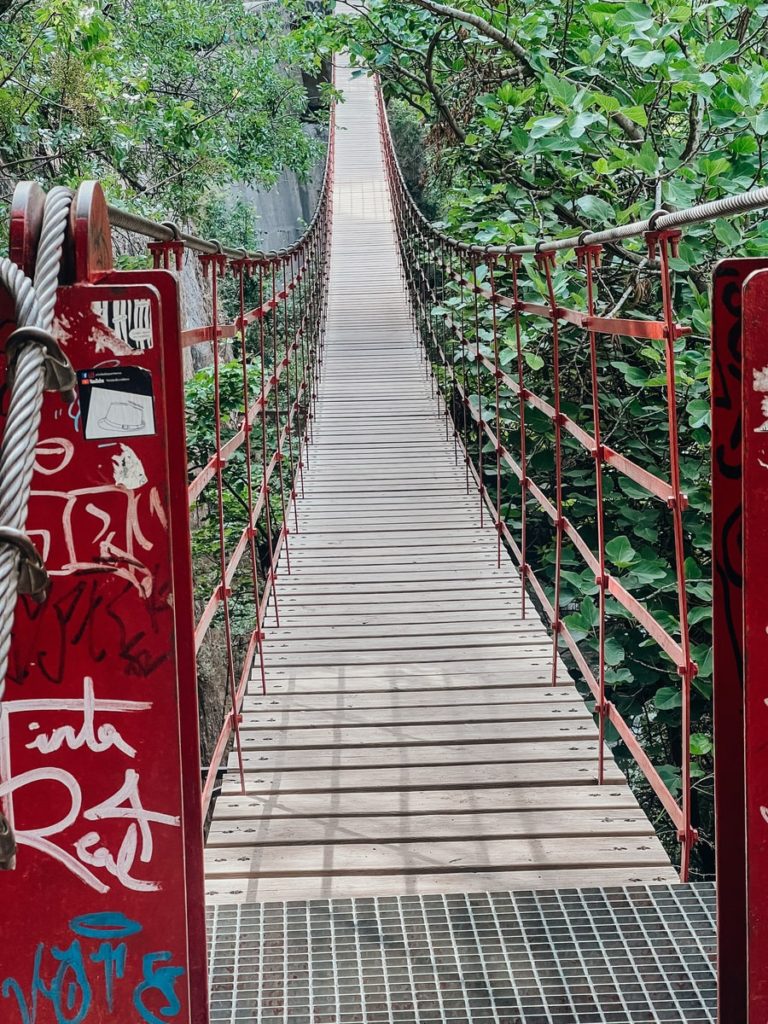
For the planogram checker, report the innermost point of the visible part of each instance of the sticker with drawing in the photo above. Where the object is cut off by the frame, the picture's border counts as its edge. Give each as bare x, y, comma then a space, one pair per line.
116, 401
130, 320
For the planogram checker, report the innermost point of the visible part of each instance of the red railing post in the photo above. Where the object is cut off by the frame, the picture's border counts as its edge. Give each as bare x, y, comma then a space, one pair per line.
214, 266
665, 243
588, 257
546, 262
240, 268
104, 912
275, 385
728, 631
265, 462
475, 263
496, 383
465, 388
514, 263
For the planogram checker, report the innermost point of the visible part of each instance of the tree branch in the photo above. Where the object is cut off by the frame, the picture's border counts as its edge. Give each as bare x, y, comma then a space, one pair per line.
627, 125
440, 103
482, 26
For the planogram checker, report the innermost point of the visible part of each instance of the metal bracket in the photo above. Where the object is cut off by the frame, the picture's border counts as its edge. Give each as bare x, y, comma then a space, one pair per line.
7, 845
59, 374
33, 578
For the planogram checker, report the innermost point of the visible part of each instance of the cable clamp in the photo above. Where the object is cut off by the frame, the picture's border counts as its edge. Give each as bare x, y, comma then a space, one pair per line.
7, 845
33, 578
59, 373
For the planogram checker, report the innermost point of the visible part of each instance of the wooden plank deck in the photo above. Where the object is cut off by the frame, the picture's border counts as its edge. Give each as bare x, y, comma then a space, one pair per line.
411, 740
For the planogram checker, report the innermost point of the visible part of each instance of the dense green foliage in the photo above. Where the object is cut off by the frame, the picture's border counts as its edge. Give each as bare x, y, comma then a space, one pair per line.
161, 100
542, 119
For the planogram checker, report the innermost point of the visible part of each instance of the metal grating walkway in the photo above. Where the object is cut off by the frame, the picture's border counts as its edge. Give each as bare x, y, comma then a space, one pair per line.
635, 955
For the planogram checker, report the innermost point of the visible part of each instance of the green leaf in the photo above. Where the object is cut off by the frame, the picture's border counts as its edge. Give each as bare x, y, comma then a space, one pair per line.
638, 115
698, 413
621, 552
608, 103
614, 652
700, 744
728, 233
647, 158
668, 698
534, 361
560, 90
643, 57
719, 50
670, 776
638, 16
541, 126
589, 613
593, 206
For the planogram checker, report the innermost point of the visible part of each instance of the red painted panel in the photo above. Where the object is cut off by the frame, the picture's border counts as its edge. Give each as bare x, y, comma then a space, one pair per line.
755, 539
102, 920
728, 280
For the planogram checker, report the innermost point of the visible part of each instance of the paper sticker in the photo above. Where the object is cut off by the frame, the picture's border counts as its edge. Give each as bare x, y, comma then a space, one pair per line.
116, 401
129, 320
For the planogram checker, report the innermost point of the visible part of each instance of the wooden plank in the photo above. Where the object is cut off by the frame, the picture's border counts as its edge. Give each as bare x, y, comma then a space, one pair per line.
343, 628
490, 644
257, 757
571, 772
405, 610
301, 623
349, 718
482, 658
327, 679
327, 887
433, 856
461, 700
552, 730
477, 800
423, 827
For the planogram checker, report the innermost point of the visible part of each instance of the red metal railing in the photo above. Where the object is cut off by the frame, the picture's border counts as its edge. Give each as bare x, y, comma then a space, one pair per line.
284, 347
437, 267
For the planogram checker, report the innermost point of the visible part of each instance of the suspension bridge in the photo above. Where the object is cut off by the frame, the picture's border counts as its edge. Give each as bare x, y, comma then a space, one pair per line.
411, 812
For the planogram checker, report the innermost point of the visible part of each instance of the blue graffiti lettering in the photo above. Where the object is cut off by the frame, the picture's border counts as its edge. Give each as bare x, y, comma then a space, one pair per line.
113, 958
104, 926
161, 980
66, 986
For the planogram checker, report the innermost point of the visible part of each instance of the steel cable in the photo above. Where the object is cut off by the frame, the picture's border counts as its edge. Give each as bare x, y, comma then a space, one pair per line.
34, 301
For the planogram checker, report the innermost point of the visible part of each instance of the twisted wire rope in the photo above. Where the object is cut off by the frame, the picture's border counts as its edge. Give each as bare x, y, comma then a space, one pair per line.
34, 301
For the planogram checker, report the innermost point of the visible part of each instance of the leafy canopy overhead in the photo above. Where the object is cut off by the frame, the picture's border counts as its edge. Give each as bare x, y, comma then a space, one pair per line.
162, 100
582, 113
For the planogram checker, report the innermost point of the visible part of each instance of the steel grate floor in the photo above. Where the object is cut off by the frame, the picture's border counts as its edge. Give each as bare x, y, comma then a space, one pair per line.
574, 956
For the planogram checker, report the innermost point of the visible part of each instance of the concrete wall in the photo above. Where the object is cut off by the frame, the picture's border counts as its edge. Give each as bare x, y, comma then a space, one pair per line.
283, 213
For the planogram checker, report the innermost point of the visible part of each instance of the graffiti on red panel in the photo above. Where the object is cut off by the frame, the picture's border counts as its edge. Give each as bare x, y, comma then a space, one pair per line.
96, 532
91, 722
88, 976
109, 838
100, 527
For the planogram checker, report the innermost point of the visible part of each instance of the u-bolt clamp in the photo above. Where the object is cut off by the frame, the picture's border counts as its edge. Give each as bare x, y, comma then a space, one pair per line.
59, 374
33, 578
7, 845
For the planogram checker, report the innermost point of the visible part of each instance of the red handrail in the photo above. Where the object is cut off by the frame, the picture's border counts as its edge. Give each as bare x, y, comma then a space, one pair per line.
431, 262
289, 322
